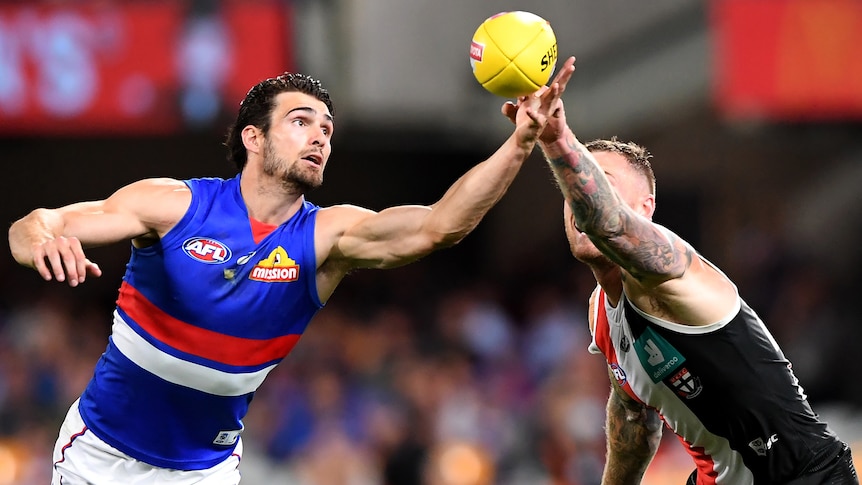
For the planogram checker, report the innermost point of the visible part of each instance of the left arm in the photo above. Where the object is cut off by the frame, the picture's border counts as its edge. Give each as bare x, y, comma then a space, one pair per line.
633, 437
400, 235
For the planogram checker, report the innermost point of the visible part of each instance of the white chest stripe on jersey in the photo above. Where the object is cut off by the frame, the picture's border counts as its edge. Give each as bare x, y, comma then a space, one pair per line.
182, 372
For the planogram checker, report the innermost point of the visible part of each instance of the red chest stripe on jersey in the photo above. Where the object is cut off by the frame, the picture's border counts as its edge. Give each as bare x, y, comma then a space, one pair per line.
200, 342
260, 230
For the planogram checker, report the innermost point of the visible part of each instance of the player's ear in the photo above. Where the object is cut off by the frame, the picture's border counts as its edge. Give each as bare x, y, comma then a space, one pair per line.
569, 224
252, 138
648, 206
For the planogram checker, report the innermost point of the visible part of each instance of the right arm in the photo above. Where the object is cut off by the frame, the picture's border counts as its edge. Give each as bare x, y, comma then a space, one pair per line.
647, 251
51, 241
633, 436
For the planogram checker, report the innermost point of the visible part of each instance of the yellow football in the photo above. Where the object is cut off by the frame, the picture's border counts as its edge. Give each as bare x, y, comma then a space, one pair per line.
513, 53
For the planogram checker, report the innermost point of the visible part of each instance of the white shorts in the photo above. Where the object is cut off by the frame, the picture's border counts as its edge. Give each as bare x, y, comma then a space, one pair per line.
81, 458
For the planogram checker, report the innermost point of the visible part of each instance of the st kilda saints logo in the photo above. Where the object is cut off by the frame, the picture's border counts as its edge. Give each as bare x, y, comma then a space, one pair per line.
685, 384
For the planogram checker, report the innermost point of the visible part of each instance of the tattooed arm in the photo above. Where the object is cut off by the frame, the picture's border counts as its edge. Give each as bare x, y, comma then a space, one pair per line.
627, 236
634, 434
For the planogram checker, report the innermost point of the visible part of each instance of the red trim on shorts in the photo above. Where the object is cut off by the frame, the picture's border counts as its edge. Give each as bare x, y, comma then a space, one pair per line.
67, 445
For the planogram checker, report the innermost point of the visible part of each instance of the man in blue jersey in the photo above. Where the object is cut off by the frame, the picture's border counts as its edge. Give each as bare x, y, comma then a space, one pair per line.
224, 277
681, 345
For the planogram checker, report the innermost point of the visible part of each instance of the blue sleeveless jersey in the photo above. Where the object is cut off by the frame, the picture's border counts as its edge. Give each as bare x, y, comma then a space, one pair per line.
202, 317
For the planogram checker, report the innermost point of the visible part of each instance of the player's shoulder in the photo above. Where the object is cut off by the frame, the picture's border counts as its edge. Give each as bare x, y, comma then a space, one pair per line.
150, 190
159, 182
338, 218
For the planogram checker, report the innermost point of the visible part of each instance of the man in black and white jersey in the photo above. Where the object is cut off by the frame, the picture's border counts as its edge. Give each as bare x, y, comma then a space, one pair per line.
681, 345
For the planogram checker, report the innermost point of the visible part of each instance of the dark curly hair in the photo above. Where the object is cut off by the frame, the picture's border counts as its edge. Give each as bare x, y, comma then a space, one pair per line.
256, 108
637, 156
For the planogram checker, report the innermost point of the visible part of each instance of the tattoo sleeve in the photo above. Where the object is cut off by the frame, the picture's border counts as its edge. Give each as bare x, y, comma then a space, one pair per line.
633, 436
628, 239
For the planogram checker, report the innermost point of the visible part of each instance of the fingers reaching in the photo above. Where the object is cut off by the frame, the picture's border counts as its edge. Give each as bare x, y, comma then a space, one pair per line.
549, 94
63, 259
509, 110
93, 269
564, 74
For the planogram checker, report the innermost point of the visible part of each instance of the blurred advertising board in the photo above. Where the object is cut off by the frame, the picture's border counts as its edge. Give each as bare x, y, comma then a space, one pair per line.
788, 59
134, 67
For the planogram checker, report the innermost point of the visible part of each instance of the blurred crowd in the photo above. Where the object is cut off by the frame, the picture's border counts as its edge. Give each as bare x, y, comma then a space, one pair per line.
430, 374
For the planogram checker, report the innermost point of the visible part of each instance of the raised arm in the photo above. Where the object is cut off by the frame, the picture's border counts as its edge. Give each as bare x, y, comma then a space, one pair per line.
51, 241
609, 205
633, 433
399, 235
628, 237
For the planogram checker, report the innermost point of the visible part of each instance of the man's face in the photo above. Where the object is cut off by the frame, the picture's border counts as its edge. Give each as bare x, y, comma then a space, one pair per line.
298, 144
631, 186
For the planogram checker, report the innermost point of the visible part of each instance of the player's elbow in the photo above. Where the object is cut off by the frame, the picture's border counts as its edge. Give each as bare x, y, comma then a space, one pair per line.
442, 240
416, 247
653, 428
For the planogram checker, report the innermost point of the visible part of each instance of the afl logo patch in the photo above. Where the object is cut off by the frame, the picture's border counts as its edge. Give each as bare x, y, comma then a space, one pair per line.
206, 250
619, 374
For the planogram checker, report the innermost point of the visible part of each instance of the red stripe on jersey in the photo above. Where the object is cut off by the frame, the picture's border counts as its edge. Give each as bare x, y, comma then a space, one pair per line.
260, 230
706, 474
214, 346
603, 330
603, 339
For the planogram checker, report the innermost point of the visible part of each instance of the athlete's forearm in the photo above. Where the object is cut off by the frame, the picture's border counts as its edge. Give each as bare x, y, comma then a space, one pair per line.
467, 201
633, 434
595, 204
35, 228
622, 234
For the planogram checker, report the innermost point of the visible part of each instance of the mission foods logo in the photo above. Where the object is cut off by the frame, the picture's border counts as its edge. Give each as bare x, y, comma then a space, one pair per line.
207, 250
276, 268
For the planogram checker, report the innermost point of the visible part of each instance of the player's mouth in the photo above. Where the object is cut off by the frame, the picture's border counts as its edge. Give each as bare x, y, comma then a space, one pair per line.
314, 158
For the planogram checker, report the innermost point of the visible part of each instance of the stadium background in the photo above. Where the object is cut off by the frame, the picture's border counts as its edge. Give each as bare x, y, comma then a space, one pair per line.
468, 367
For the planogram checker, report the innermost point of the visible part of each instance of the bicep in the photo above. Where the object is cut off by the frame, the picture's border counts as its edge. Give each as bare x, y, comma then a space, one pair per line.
144, 209
647, 251
389, 238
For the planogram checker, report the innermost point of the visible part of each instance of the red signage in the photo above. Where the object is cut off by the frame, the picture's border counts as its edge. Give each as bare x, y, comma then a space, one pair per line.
133, 67
788, 59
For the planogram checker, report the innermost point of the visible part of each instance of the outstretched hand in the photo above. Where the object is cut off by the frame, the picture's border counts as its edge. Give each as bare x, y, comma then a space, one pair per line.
544, 107
63, 259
